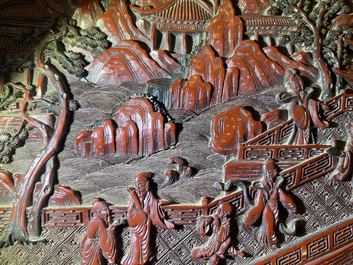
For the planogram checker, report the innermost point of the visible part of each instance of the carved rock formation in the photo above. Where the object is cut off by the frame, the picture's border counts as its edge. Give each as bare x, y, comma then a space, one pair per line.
136, 129
7, 183
182, 171
126, 62
87, 14
193, 94
272, 118
253, 6
166, 62
232, 127
225, 30
211, 68
250, 71
118, 23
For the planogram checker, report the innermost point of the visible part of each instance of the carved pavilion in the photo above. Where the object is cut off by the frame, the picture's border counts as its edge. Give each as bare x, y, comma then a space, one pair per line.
177, 25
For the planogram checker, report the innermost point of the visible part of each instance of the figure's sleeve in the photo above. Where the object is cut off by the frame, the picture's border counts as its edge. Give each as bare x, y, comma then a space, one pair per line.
156, 213
224, 231
107, 241
314, 108
82, 244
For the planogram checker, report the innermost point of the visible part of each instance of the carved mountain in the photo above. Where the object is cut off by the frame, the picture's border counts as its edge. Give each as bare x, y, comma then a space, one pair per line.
225, 30
7, 185
118, 24
253, 6
246, 72
211, 68
136, 129
193, 94
88, 13
249, 71
304, 69
126, 62
166, 62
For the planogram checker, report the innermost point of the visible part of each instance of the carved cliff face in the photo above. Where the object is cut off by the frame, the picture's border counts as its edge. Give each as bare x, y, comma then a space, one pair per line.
222, 115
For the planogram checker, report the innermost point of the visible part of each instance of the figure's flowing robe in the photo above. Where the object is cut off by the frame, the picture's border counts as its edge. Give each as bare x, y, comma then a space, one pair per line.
140, 222
305, 117
98, 242
219, 242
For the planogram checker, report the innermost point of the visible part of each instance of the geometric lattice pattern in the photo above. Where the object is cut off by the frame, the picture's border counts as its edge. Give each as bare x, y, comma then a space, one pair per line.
320, 210
62, 248
324, 135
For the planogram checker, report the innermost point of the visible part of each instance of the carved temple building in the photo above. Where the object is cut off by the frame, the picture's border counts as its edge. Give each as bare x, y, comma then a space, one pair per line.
177, 25
180, 25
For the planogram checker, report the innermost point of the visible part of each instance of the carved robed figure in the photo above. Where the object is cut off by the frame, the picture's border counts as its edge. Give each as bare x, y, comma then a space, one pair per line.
219, 245
304, 110
99, 242
143, 212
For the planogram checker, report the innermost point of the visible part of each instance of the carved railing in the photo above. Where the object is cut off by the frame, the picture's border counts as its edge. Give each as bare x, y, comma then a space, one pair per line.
277, 135
187, 214
339, 105
285, 155
308, 171
280, 152
246, 169
321, 244
280, 133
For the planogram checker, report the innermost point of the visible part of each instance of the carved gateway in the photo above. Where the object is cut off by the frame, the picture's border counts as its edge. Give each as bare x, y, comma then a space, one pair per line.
176, 132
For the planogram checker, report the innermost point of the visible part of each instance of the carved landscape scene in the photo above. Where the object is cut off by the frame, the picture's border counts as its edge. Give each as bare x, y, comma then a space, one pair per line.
176, 132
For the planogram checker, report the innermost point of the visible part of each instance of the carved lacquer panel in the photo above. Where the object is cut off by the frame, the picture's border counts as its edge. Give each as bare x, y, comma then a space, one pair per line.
176, 132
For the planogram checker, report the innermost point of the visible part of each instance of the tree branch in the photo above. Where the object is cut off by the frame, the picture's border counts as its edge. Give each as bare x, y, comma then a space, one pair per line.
42, 127
306, 18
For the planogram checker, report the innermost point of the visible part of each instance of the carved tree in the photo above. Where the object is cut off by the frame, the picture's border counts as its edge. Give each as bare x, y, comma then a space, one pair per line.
319, 18
37, 184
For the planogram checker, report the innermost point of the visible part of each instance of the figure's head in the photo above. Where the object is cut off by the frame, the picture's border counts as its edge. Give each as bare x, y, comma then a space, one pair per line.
269, 170
224, 209
294, 81
142, 183
100, 208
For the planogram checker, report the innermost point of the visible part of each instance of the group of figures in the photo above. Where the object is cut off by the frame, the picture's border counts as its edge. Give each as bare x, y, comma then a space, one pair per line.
144, 211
